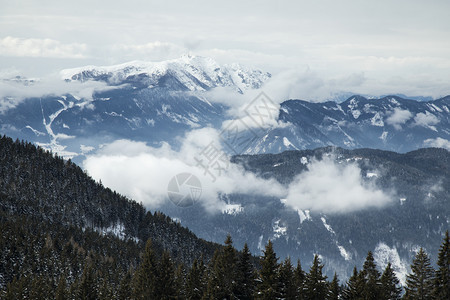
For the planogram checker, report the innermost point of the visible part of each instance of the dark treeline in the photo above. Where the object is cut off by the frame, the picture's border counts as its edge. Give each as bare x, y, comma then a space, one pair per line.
230, 274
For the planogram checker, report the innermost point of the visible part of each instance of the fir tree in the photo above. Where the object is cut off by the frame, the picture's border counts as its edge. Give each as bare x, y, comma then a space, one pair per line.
145, 277
195, 281
165, 279
316, 285
38, 288
442, 277
61, 292
334, 289
245, 278
268, 285
105, 292
299, 277
390, 285
355, 286
223, 272
87, 288
371, 276
287, 288
419, 284
125, 288
180, 281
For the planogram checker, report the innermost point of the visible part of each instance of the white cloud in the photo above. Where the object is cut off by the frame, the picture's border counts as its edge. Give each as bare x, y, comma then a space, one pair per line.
12, 46
143, 173
333, 188
387, 52
399, 117
153, 51
426, 119
13, 92
437, 142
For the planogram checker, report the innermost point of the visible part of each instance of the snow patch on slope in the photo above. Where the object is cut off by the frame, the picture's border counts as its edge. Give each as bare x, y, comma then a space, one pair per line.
278, 230
383, 254
304, 215
232, 209
344, 253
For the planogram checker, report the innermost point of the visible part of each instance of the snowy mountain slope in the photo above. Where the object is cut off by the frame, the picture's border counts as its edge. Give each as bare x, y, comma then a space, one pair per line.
390, 123
191, 73
417, 214
150, 102
157, 102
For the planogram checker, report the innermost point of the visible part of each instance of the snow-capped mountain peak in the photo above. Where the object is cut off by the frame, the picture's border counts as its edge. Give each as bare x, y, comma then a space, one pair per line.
189, 72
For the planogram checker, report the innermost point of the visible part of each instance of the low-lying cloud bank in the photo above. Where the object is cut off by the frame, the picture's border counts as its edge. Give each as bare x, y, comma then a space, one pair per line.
331, 187
143, 173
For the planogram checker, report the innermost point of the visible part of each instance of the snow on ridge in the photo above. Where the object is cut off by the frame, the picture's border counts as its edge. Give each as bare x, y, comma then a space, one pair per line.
328, 227
288, 143
344, 253
260, 245
383, 254
189, 70
304, 215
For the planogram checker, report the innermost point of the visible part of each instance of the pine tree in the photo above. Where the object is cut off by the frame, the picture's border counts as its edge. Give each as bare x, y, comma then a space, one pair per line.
355, 286
38, 288
245, 278
61, 292
419, 284
125, 288
316, 285
334, 290
372, 284
213, 283
165, 279
229, 267
105, 292
287, 288
223, 272
87, 288
195, 281
390, 285
299, 278
180, 281
442, 277
145, 277
268, 285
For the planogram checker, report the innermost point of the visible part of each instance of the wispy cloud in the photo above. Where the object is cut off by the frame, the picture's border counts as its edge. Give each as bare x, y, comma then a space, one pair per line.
399, 117
426, 120
33, 47
437, 142
13, 92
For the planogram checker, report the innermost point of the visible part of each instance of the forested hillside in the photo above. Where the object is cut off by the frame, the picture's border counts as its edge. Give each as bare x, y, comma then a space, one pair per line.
64, 236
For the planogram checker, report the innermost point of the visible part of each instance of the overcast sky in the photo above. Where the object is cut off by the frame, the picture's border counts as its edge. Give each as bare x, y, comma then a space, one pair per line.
368, 47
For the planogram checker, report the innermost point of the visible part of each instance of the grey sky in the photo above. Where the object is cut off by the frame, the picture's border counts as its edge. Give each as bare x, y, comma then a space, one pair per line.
369, 47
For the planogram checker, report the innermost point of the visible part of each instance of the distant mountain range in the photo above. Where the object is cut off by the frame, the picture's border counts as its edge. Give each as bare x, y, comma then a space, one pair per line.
151, 102
390, 123
157, 102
